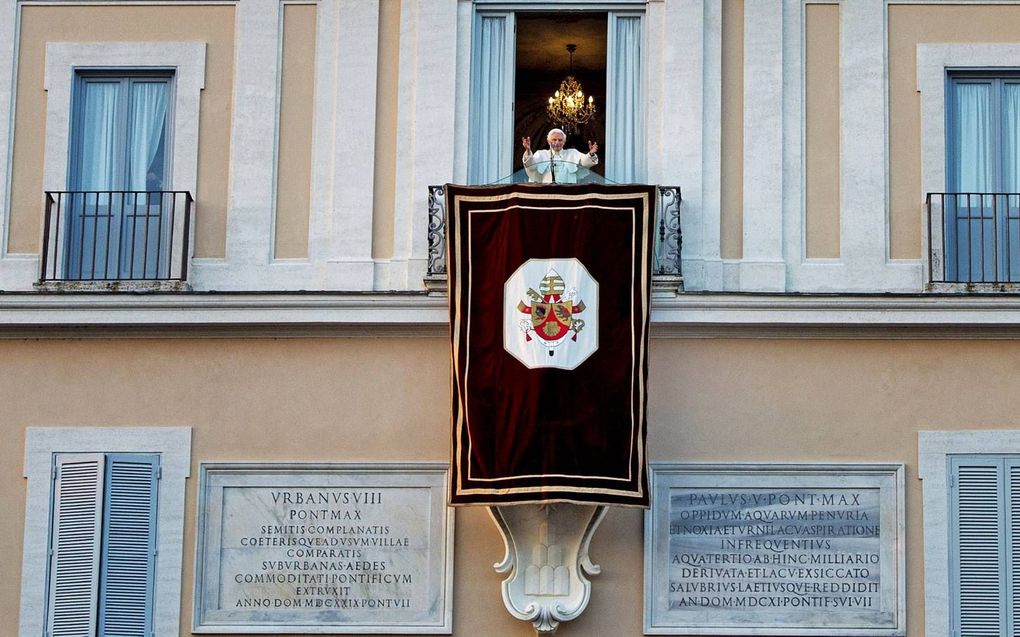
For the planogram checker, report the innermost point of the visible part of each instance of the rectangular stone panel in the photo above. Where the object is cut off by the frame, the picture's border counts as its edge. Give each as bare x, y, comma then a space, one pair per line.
323, 549
775, 550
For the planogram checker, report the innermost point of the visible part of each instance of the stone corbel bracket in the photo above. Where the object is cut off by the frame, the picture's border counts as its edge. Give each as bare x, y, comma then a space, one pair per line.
547, 559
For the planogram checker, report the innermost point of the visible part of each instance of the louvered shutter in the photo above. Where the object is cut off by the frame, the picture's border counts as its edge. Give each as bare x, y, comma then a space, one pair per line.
978, 558
129, 545
75, 545
1013, 544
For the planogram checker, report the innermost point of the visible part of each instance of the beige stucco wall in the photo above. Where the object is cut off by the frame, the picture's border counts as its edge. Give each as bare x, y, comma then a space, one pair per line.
41, 24
385, 184
731, 240
822, 123
294, 158
376, 399
908, 26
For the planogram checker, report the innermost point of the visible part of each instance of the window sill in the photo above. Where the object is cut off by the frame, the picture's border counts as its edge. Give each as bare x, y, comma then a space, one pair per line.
112, 286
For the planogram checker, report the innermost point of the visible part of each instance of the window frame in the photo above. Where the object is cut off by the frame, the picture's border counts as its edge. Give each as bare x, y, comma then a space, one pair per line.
127, 78
996, 78
935, 450
1001, 464
65, 60
172, 444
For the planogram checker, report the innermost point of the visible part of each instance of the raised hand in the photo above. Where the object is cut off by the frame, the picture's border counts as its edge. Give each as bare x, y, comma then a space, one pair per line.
592, 147
526, 142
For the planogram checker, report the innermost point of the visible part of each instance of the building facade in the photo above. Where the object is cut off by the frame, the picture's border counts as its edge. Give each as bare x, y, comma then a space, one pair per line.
215, 242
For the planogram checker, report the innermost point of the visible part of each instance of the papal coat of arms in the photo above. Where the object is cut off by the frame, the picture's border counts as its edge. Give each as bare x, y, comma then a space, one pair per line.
553, 313
553, 326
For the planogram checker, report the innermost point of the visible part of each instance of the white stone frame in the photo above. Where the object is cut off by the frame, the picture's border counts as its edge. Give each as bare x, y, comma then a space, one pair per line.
15, 269
934, 62
64, 59
934, 449
41, 443
683, 46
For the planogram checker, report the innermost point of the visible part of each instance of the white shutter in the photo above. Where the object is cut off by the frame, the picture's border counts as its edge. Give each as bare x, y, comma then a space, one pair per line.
74, 545
129, 544
979, 556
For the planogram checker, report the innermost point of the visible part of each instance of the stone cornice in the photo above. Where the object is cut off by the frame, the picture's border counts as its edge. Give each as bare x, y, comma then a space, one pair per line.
690, 315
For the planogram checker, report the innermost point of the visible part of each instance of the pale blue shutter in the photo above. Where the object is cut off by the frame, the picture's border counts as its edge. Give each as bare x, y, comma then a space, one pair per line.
74, 545
977, 560
129, 546
1013, 544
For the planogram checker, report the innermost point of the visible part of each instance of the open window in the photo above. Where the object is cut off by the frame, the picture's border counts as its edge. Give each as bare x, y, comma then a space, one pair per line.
497, 111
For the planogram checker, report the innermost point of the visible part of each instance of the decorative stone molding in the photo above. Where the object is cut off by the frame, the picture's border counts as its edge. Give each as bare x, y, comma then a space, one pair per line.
547, 560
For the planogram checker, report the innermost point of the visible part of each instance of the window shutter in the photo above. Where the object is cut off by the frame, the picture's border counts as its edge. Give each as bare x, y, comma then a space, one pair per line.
1013, 543
980, 551
74, 545
129, 544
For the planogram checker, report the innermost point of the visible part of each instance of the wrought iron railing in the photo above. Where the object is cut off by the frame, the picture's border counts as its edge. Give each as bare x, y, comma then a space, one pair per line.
973, 237
668, 245
116, 236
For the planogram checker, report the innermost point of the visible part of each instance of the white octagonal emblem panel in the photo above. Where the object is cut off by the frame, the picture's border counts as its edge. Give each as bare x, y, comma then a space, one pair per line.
550, 313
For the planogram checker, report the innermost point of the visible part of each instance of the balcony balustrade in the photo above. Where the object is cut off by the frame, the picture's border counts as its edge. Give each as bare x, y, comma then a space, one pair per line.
974, 239
667, 270
116, 236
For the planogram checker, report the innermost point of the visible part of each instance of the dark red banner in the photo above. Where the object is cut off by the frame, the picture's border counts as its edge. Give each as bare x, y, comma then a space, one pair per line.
549, 310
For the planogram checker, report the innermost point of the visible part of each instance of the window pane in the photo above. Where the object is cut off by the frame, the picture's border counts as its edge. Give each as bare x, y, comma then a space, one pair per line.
146, 138
973, 137
97, 159
1011, 137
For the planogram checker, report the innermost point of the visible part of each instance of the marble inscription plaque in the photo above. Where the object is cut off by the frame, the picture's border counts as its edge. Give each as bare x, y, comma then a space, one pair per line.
775, 549
323, 549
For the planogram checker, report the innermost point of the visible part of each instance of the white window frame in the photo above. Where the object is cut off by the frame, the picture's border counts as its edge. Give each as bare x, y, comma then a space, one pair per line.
934, 62
65, 59
934, 450
173, 444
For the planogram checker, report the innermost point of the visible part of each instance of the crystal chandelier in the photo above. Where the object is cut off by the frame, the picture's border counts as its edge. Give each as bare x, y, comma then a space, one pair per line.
567, 108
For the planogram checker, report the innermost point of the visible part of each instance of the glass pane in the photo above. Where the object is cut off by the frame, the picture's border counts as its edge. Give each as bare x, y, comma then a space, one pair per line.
972, 137
98, 143
146, 149
1011, 137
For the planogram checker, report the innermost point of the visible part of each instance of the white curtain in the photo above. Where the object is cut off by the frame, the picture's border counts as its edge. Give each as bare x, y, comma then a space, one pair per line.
146, 165
491, 132
1011, 177
1011, 138
97, 161
973, 137
970, 227
625, 147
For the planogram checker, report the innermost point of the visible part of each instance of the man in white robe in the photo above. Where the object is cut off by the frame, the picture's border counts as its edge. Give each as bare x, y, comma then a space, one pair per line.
558, 164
